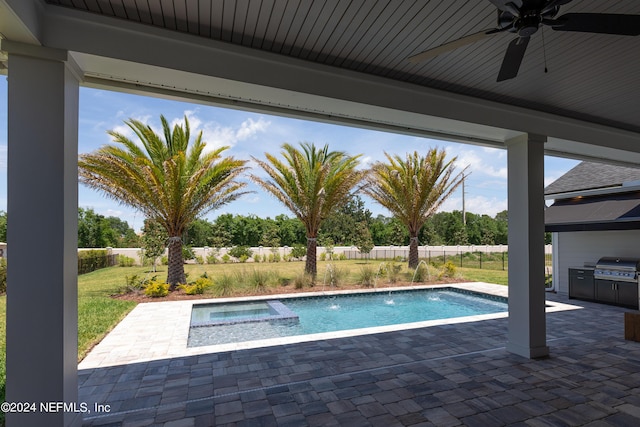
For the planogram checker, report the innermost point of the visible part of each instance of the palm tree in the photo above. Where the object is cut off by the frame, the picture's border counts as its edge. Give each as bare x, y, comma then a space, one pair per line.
413, 189
170, 180
311, 183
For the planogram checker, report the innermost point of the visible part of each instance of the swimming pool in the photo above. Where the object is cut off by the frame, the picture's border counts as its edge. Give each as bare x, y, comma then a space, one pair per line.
320, 314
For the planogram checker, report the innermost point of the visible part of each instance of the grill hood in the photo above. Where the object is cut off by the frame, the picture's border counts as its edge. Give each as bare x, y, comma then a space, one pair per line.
612, 268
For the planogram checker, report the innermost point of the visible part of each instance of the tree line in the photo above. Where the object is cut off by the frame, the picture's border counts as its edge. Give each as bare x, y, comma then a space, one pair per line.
345, 227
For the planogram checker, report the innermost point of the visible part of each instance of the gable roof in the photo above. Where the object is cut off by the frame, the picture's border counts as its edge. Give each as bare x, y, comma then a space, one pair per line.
592, 176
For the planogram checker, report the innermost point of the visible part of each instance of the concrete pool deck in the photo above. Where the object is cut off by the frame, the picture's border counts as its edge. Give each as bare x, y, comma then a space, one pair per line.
444, 375
159, 330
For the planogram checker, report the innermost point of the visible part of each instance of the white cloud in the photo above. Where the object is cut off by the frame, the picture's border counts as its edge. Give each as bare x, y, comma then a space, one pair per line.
250, 128
251, 198
480, 164
479, 205
113, 212
217, 135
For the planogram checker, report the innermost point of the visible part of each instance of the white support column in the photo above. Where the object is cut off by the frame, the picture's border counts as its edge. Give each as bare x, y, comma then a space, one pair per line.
42, 290
527, 322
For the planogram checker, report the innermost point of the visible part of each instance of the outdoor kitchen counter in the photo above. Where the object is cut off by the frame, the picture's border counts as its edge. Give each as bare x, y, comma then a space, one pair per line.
582, 283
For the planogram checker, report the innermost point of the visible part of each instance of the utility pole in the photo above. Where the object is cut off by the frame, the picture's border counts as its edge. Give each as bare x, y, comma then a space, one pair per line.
464, 209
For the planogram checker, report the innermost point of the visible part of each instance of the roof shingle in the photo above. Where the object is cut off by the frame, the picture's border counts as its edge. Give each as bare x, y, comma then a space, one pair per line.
589, 176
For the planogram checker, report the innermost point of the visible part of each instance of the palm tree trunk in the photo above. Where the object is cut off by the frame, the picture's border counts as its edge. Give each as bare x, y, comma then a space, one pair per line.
175, 273
311, 266
413, 250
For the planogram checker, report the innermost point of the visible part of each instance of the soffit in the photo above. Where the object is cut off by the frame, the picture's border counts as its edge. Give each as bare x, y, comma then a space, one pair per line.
591, 77
346, 62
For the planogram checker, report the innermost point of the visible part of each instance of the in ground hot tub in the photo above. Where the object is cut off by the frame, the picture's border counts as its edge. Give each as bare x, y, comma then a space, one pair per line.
243, 312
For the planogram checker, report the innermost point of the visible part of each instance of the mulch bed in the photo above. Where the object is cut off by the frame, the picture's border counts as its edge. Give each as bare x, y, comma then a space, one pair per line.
179, 295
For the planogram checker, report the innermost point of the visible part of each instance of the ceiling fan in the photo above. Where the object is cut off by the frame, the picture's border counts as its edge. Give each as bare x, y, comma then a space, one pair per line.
525, 18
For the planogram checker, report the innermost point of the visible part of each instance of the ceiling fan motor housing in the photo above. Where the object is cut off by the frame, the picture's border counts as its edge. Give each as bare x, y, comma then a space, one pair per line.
528, 24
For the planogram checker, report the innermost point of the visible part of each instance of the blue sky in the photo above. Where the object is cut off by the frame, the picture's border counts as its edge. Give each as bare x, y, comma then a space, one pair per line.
253, 134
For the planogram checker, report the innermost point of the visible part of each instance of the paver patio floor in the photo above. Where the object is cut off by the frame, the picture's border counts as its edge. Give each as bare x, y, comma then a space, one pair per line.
444, 375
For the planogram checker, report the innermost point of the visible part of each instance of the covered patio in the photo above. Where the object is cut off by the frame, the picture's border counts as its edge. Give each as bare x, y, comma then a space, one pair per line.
341, 62
447, 375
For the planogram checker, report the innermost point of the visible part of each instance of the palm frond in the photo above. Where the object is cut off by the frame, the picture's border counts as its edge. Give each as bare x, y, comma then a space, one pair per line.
168, 177
412, 189
310, 181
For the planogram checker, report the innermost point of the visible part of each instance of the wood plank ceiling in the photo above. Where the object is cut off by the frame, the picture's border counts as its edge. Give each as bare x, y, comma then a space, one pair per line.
591, 77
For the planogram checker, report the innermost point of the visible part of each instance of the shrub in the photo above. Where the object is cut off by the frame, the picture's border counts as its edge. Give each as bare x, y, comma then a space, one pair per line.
367, 276
125, 261
93, 259
274, 257
134, 284
225, 285
187, 253
449, 269
421, 274
243, 258
334, 275
199, 259
197, 288
256, 258
284, 281
164, 260
226, 258
156, 289
3, 275
240, 251
393, 272
303, 280
298, 251
212, 259
258, 279
342, 257
323, 256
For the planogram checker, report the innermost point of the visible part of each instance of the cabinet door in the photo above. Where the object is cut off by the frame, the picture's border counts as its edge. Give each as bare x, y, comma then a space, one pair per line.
628, 294
581, 286
605, 291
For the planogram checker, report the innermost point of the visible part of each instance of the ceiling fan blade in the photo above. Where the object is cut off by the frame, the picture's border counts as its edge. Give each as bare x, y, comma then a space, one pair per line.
511, 6
553, 3
471, 38
603, 23
513, 58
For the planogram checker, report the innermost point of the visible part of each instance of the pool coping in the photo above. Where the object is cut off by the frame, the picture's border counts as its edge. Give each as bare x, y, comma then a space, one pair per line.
160, 330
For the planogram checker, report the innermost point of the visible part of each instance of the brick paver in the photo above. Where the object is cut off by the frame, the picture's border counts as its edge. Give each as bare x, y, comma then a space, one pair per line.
441, 375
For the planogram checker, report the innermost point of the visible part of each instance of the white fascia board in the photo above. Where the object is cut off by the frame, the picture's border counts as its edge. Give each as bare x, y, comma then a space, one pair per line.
137, 43
149, 80
592, 153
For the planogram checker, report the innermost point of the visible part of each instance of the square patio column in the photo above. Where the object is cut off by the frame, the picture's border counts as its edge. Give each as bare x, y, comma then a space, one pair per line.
42, 232
527, 321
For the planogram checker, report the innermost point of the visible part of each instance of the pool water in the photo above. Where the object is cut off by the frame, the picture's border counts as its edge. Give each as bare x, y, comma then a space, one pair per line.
355, 311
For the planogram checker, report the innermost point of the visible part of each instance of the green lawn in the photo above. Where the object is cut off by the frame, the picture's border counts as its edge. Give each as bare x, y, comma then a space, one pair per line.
498, 277
98, 312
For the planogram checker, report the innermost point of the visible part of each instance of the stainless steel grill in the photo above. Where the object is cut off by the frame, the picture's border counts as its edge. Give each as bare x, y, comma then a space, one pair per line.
617, 269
